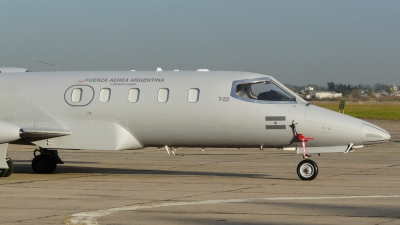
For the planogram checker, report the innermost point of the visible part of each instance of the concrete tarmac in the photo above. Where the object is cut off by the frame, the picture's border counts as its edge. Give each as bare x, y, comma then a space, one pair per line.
215, 186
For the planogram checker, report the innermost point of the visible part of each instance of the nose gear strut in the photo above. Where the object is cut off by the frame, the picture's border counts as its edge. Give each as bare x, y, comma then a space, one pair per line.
302, 138
303, 142
307, 169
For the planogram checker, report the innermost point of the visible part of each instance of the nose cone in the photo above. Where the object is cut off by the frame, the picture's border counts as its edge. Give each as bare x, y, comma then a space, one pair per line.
373, 134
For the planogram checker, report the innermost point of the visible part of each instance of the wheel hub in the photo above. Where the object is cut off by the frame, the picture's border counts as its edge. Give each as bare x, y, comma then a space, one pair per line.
306, 170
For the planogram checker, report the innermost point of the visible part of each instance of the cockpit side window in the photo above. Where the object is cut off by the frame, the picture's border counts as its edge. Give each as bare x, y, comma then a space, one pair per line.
261, 91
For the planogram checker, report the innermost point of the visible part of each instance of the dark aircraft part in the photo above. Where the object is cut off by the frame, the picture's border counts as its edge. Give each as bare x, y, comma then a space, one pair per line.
3, 172
307, 170
9, 171
53, 154
10, 167
43, 164
46, 162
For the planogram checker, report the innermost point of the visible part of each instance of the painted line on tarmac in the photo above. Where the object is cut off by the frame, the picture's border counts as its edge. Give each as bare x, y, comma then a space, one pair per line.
90, 217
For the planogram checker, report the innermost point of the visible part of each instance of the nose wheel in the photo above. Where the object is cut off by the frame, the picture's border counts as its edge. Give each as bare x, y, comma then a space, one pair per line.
307, 170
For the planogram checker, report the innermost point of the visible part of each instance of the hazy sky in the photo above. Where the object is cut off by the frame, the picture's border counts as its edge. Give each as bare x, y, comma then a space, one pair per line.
298, 42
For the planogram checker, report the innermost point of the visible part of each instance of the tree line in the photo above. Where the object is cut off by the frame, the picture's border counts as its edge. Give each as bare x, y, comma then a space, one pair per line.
350, 90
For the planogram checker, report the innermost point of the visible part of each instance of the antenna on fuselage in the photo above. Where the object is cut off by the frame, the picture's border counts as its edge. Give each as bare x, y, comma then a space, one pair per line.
49, 64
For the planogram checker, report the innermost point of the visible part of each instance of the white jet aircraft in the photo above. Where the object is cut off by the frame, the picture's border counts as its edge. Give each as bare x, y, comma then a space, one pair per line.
138, 109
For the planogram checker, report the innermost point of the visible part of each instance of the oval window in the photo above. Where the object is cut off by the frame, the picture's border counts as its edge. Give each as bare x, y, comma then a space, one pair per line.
194, 94
76, 95
133, 95
105, 94
163, 95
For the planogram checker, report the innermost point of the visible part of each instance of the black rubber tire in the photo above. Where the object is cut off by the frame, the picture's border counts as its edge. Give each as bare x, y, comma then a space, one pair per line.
52, 166
307, 170
3, 172
10, 168
42, 164
39, 164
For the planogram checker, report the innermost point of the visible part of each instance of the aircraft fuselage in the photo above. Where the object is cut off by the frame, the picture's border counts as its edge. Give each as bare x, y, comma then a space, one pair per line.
133, 110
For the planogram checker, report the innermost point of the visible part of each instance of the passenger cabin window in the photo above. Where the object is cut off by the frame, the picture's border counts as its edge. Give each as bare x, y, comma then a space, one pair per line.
133, 95
163, 95
105, 94
263, 91
194, 94
76, 95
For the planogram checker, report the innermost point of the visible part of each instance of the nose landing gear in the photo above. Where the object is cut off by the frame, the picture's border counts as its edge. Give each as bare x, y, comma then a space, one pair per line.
307, 169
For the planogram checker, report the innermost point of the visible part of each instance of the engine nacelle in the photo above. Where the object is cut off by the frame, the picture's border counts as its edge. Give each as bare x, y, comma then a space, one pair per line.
9, 132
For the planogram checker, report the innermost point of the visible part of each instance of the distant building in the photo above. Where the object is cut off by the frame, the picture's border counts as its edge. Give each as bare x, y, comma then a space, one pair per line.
394, 88
380, 94
309, 88
327, 95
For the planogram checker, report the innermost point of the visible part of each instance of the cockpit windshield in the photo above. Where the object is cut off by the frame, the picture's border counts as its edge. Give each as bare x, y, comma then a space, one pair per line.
262, 91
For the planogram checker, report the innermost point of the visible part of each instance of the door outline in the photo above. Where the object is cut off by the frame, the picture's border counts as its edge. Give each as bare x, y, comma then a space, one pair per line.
86, 100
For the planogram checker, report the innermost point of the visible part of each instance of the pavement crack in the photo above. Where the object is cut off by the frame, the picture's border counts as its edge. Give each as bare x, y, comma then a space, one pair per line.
389, 221
37, 218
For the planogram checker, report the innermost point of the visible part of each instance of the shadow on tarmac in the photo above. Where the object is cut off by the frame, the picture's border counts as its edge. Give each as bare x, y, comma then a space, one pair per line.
64, 169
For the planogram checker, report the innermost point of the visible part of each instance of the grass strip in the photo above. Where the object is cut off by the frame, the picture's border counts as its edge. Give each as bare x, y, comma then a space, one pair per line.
381, 111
